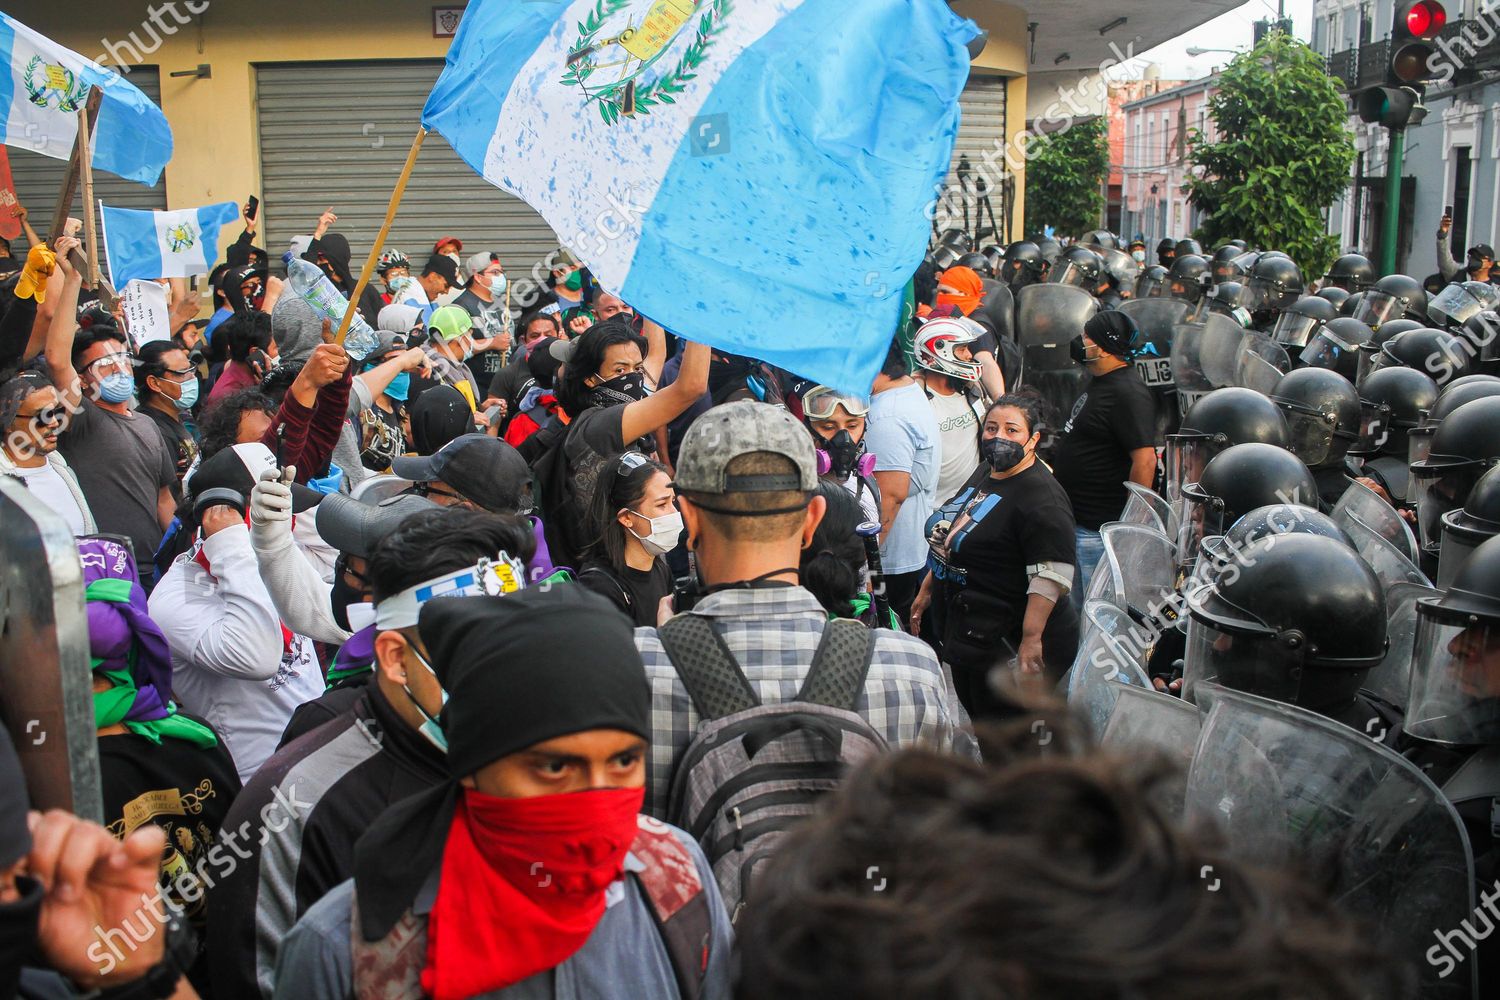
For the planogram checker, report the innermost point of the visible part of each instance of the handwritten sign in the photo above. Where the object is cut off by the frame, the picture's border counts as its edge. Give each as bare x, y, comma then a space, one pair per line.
145, 308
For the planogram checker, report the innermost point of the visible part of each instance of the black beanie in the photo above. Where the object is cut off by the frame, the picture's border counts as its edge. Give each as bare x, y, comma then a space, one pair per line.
1113, 331
529, 667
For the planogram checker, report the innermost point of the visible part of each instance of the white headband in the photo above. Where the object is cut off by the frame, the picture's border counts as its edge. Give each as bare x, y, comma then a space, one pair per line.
488, 577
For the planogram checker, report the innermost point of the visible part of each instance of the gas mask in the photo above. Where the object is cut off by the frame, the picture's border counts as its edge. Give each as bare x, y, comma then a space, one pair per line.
842, 456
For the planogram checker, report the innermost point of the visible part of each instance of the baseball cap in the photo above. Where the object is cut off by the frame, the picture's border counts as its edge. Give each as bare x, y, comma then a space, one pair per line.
450, 322
457, 243
1482, 250
238, 468
482, 469
442, 264
726, 432
355, 528
479, 261
398, 318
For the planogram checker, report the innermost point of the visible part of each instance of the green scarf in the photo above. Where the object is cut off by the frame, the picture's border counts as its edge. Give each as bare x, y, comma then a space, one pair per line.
861, 604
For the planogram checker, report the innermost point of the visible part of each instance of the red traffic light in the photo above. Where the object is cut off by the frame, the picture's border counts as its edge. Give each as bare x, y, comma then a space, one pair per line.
1423, 19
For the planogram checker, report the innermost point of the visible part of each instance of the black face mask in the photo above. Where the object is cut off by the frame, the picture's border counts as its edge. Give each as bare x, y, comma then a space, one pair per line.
625, 388
1003, 454
1077, 351
843, 454
341, 597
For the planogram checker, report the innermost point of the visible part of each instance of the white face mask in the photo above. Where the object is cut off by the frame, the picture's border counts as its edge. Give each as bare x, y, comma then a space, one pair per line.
665, 531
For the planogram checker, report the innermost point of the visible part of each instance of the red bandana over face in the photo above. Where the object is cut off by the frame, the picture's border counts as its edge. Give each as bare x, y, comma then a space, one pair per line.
522, 885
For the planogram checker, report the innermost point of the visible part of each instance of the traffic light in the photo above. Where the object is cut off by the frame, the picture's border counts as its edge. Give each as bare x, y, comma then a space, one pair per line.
1412, 31
1399, 102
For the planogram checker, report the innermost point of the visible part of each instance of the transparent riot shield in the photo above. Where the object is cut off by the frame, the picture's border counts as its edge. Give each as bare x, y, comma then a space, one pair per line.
1291, 788
1148, 509
1206, 356
1158, 319
1143, 718
46, 686
1047, 318
1359, 501
1120, 265
1382, 555
1110, 656
1137, 571
1261, 364
1390, 681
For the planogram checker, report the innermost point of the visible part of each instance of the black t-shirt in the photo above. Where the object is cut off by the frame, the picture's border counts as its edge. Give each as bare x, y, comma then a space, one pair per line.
1011, 524
179, 440
1115, 416
184, 789
637, 593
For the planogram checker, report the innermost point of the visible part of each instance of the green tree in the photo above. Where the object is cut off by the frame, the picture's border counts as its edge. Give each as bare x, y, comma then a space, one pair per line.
1065, 177
1281, 157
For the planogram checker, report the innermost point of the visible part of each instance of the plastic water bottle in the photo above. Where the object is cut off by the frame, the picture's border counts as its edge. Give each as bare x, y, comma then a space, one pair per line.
313, 286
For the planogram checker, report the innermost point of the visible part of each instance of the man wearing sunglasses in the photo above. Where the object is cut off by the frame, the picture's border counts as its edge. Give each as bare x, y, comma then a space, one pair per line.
123, 465
31, 416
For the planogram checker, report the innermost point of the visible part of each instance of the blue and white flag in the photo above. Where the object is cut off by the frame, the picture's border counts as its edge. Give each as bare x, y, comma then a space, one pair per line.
176, 244
42, 86
753, 174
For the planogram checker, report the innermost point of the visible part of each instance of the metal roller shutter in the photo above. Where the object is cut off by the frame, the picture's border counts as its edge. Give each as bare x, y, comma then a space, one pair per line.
336, 135
981, 129
39, 178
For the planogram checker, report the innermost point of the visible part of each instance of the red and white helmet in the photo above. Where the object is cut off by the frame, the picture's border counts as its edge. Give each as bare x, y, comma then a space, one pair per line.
936, 340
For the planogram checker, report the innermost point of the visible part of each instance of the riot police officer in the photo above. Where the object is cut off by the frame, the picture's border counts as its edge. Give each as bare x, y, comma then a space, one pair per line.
1392, 402
1323, 419
1392, 297
1352, 272
1300, 321
1221, 419
1023, 265
1235, 482
1274, 284
1464, 447
1467, 529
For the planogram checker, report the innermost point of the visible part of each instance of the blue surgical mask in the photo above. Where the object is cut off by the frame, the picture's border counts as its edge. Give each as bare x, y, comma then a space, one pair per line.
399, 388
430, 729
116, 387
189, 395
497, 285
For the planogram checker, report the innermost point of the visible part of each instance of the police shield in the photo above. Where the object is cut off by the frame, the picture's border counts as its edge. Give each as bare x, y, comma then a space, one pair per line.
1147, 719
1363, 503
1147, 508
1289, 787
1383, 556
48, 702
1390, 680
1137, 571
1205, 357
1157, 319
1261, 364
1110, 657
1047, 318
1120, 265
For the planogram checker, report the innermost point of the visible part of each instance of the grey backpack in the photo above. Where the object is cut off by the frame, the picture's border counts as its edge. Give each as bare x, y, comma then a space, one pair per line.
754, 771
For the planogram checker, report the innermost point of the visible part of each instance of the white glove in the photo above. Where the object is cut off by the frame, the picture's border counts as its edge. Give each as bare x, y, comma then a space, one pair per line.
271, 506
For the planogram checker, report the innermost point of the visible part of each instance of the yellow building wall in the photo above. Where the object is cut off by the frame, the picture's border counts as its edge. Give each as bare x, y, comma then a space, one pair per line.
1006, 54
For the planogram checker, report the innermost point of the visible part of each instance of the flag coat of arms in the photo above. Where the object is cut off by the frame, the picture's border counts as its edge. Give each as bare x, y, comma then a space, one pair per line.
754, 174
42, 86
175, 244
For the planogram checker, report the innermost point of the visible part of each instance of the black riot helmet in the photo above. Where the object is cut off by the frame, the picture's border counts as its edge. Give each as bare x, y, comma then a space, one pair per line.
1050, 248
1101, 238
1300, 320
1229, 297
1217, 421
1392, 402
1465, 445
976, 262
1322, 414
1466, 529
958, 239
1166, 252
1222, 264
1352, 272
1450, 397
944, 256
1274, 284
1435, 352
1187, 278
1078, 266
1272, 519
1301, 619
1482, 331
1455, 670
1336, 346
1235, 482
1392, 297
1189, 246
1338, 296
1153, 283
1023, 265
1352, 304
995, 256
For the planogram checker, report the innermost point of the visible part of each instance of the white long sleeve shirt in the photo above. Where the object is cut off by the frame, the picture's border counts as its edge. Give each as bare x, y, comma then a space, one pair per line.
229, 662
296, 586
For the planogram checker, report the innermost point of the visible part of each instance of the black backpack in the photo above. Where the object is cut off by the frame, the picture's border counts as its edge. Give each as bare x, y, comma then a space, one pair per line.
753, 771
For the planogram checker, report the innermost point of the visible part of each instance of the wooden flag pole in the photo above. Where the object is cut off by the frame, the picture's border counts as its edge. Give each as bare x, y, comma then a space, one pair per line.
86, 178
385, 229
81, 151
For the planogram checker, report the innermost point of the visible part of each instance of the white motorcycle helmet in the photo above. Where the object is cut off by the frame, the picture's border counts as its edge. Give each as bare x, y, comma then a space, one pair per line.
936, 340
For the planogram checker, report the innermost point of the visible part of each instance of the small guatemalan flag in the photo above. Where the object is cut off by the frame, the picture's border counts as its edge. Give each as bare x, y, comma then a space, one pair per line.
176, 244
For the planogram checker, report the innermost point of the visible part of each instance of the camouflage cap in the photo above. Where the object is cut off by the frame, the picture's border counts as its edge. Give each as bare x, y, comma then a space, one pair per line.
726, 432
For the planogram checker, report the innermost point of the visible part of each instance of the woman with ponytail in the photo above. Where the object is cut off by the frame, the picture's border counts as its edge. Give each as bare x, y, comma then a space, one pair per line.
833, 566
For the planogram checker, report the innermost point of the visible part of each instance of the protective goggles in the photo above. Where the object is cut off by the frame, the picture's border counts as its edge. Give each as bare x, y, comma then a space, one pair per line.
819, 402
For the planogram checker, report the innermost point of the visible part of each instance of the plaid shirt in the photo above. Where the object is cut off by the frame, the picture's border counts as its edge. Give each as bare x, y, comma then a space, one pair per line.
773, 633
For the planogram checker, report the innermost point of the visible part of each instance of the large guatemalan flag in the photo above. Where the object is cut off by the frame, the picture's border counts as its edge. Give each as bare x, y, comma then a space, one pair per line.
175, 244
42, 86
749, 173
